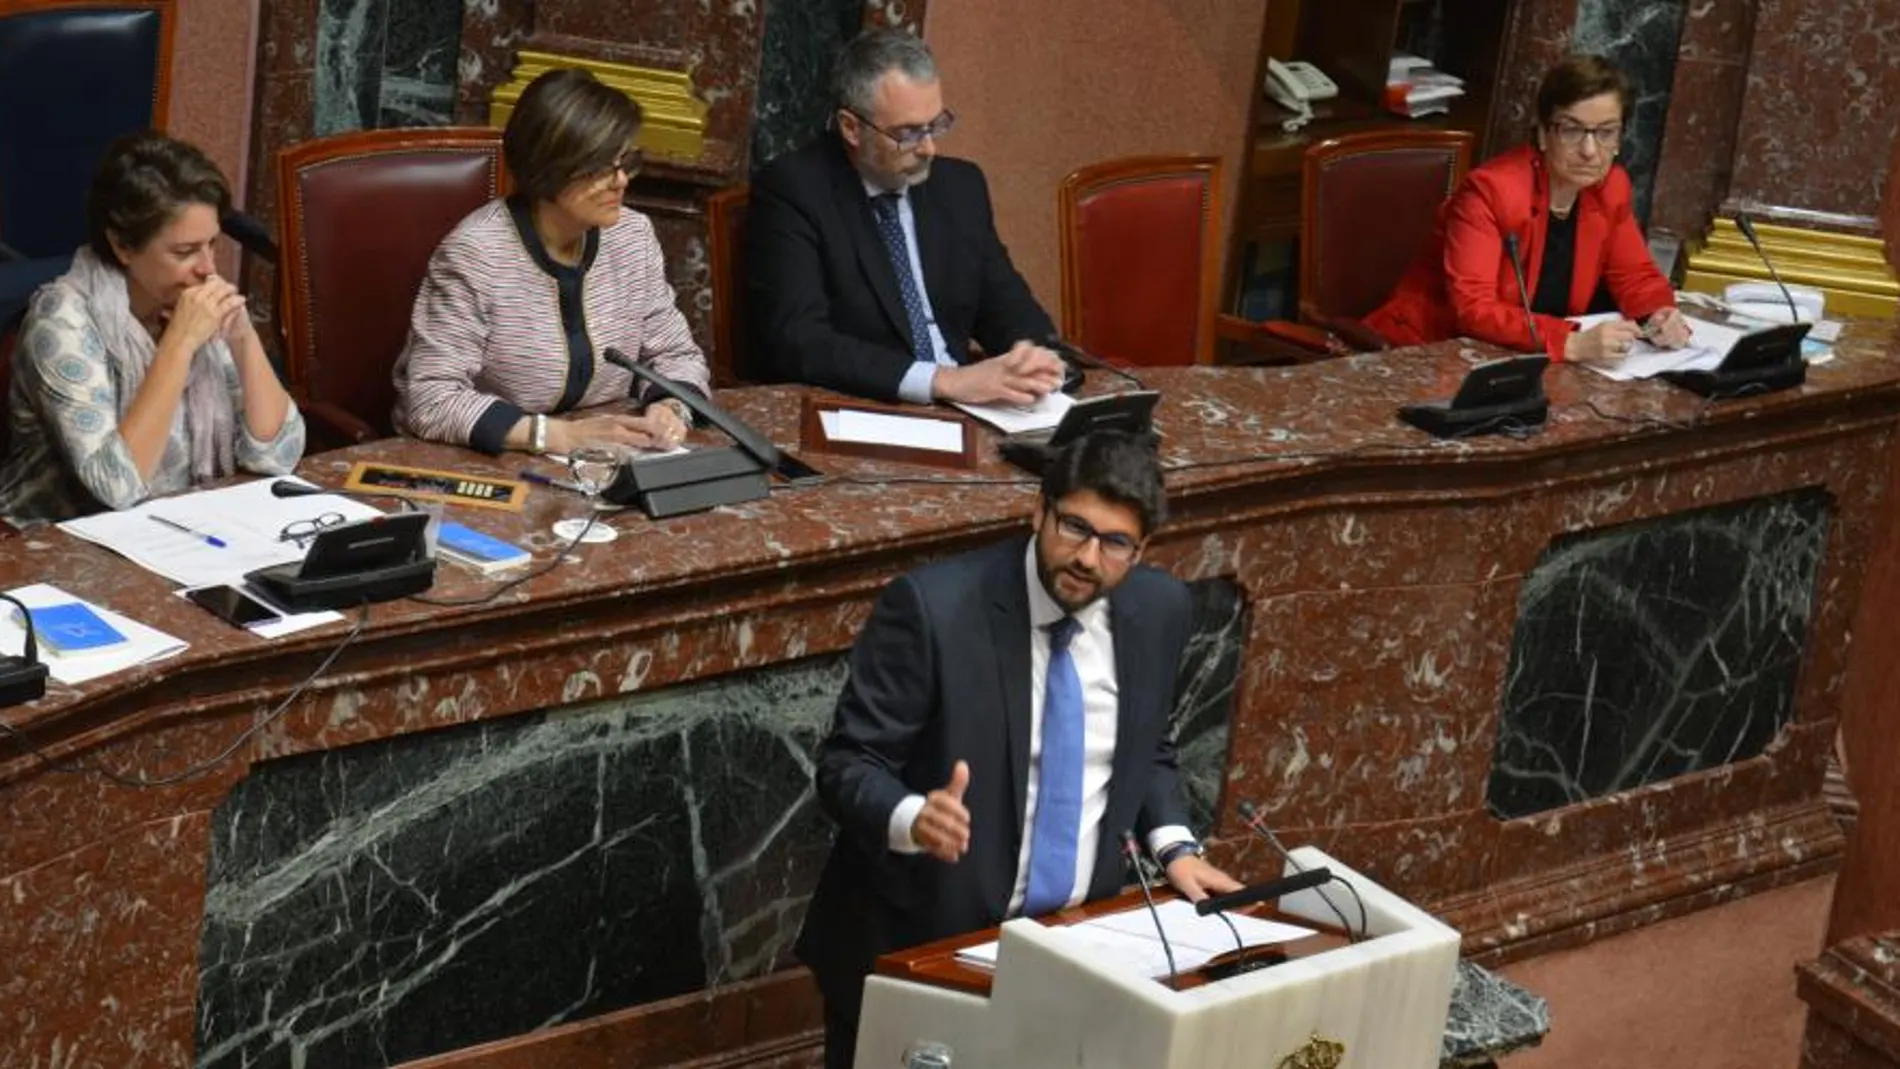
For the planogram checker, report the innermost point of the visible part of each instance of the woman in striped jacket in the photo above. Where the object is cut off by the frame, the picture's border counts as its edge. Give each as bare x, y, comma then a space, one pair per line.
526, 293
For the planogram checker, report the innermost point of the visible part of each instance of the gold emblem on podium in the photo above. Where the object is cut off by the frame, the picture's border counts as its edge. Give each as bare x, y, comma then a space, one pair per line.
1318, 1053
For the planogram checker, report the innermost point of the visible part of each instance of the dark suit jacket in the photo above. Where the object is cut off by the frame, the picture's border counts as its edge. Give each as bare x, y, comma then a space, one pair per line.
822, 295
941, 674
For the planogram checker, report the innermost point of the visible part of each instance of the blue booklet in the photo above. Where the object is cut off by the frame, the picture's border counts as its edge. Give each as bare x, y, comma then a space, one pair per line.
485, 552
73, 628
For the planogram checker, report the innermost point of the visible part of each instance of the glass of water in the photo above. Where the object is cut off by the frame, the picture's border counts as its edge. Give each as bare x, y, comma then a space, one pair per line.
594, 468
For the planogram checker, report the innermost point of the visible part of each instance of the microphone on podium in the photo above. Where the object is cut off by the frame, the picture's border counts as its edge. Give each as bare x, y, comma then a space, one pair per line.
293, 488
1072, 354
1523, 291
1133, 849
1256, 822
1747, 227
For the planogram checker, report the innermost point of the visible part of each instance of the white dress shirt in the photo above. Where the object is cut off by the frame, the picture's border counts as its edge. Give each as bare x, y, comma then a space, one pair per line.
1093, 651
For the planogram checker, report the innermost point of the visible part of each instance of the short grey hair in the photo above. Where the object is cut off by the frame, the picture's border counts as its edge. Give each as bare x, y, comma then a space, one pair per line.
869, 57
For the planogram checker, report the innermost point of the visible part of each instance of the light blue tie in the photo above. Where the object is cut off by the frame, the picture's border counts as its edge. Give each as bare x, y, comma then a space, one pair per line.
891, 229
1058, 821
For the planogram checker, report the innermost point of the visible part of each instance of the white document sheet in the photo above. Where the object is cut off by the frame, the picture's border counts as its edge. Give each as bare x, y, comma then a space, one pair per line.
1708, 344
882, 428
141, 643
245, 517
1014, 419
1129, 938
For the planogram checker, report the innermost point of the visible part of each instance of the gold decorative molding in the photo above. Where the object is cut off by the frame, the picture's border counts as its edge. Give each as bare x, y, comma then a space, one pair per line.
674, 120
1852, 270
1318, 1053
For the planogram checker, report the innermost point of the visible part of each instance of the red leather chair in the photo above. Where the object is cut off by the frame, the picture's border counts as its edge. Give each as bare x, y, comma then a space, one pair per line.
1370, 201
362, 212
1141, 258
725, 224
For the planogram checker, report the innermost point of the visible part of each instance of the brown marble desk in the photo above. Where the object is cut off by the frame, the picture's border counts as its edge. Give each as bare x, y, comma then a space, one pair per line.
1386, 593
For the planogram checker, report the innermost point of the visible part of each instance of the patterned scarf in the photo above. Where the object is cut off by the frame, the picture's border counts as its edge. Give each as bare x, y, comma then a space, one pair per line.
210, 422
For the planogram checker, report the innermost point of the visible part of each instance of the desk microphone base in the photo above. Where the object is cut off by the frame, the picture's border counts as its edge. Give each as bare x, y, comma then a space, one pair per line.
689, 482
1447, 421
1745, 382
21, 681
296, 593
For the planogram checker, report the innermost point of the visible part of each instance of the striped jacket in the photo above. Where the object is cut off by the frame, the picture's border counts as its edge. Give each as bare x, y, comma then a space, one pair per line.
500, 329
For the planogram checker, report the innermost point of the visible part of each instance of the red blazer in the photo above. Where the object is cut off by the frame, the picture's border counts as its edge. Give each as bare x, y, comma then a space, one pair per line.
1462, 283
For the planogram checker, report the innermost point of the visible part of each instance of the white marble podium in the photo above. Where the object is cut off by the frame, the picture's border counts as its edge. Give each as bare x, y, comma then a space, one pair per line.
1380, 1003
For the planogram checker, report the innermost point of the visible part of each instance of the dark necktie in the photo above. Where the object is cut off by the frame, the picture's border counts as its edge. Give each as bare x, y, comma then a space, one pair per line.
1058, 823
891, 229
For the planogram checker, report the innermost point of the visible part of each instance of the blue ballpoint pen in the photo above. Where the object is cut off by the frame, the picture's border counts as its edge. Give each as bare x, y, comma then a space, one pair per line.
542, 480
210, 540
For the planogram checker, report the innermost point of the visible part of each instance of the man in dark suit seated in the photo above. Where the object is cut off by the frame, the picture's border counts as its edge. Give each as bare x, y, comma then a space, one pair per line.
1004, 722
866, 278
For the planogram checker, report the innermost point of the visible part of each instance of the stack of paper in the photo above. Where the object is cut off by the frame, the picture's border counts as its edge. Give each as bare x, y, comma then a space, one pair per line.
225, 533
1413, 87
1043, 415
214, 537
79, 662
1128, 939
1709, 343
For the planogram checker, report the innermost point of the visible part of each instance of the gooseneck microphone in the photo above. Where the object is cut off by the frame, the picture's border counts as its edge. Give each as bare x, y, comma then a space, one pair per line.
1523, 291
1082, 356
1133, 850
748, 439
1256, 822
293, 488
1747, 227
1260, 892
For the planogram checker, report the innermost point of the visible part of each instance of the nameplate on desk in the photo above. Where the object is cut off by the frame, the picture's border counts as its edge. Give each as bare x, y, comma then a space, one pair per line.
429, 484
926, 436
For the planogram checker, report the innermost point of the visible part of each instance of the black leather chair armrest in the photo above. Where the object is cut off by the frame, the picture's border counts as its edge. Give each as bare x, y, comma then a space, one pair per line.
334, 426
250, 234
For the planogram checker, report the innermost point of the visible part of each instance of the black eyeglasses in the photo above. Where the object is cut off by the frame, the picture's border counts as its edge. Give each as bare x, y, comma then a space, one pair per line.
302, 531
1115, 546
908, 138
1607, 136
628, 164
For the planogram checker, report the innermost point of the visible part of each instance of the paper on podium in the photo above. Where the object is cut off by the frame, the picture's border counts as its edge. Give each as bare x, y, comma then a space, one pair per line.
888, 428
1128, 938
1708, 344
1015, 419
246, 517
141, 643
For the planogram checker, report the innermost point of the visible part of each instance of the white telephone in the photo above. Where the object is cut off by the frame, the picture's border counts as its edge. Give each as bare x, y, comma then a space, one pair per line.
1764, 300
1296, 84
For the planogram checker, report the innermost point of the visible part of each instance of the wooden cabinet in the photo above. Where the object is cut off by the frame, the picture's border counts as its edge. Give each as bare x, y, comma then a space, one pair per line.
1353, 41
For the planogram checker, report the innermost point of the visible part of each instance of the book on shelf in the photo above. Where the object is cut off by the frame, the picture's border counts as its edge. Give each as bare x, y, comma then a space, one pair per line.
1414, 87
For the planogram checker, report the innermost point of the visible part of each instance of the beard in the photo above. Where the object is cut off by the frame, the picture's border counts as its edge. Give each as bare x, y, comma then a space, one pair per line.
1071, 586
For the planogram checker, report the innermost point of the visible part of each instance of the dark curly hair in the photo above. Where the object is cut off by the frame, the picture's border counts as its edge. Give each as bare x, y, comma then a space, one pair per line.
145, 180
1117, 467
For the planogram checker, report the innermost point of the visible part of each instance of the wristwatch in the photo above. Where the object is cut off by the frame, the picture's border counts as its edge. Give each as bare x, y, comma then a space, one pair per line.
538, 434
679, 409
1174, 851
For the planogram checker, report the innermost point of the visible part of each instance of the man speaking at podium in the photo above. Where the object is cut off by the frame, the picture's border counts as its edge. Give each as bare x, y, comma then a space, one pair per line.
1004, 722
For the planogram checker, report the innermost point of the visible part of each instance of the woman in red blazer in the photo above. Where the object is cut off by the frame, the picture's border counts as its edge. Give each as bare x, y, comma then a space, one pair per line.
1567, 204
